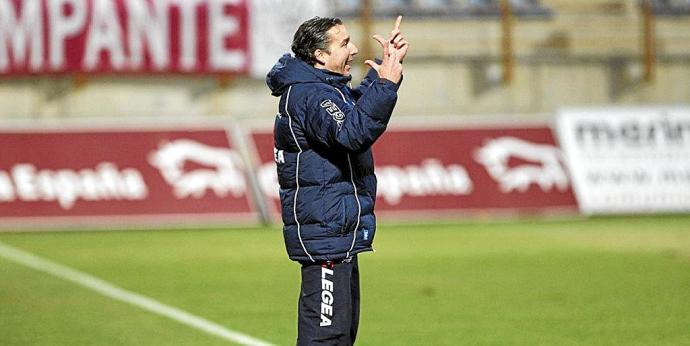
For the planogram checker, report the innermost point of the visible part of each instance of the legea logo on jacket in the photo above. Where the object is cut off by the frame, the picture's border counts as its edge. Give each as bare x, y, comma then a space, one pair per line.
224, 175
334, 111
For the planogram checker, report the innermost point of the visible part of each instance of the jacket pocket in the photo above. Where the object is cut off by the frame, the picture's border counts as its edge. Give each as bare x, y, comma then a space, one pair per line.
345, 219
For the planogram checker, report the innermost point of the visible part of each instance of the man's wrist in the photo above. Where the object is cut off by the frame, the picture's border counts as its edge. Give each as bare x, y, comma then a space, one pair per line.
386, 81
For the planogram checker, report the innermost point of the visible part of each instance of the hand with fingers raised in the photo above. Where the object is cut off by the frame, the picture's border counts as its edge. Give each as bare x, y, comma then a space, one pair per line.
390, 67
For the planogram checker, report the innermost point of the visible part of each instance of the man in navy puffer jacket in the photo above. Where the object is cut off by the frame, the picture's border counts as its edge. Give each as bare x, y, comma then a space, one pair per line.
323, 132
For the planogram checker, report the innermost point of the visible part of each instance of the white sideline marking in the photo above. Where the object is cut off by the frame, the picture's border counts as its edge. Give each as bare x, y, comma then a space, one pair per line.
117, 293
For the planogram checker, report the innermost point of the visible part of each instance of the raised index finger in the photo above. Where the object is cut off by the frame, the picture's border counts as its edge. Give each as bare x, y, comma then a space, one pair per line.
397, 23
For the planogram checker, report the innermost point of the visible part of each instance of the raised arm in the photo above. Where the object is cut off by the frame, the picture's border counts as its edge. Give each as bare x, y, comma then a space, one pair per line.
336, 123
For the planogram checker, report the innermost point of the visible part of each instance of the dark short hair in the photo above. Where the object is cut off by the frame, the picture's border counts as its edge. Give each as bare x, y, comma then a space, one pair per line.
312, 35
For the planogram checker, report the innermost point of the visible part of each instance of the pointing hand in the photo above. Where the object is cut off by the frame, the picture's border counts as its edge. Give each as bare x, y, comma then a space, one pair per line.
390, 67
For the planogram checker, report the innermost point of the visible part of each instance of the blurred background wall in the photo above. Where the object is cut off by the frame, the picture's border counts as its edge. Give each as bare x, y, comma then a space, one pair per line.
560, 53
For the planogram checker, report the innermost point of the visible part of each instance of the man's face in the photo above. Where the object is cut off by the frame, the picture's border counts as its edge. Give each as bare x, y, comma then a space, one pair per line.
340, 51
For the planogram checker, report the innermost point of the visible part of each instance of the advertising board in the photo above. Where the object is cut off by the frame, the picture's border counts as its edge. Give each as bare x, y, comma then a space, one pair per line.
628, 160
124, 175
116, 36
457, 170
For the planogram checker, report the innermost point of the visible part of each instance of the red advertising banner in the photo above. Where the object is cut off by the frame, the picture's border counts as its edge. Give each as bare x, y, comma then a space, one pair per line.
457, 170
157, 175
114, 36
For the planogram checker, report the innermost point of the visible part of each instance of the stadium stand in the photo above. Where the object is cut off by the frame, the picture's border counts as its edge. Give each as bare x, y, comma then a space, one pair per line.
582, 53
672, 7
456, 9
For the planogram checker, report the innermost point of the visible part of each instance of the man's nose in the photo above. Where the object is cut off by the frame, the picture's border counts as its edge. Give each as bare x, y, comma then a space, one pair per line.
354, 50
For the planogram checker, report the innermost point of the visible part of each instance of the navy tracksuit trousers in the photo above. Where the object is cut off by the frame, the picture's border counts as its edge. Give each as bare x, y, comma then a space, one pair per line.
329, 303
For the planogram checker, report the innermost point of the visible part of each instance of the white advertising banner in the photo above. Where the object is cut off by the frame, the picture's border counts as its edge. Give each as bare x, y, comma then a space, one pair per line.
628, 160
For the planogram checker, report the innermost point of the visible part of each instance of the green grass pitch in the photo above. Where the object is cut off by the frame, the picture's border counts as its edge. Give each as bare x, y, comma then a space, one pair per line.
600, 281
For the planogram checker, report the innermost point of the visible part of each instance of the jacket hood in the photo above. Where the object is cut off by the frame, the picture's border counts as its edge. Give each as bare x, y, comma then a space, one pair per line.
290, 70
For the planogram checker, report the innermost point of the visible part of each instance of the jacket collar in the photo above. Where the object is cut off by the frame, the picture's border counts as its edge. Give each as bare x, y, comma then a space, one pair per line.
332, 78
290, 70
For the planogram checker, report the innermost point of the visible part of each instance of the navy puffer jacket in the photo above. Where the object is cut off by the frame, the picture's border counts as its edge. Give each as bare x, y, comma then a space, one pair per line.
323, 135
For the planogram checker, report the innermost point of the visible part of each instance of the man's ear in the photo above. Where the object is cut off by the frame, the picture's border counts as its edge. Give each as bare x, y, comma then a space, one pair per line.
318, 56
